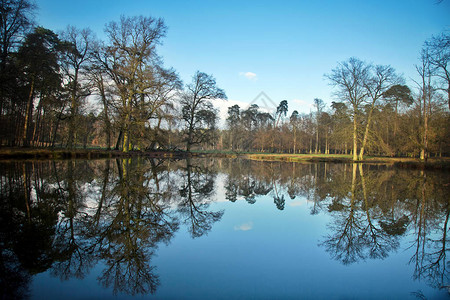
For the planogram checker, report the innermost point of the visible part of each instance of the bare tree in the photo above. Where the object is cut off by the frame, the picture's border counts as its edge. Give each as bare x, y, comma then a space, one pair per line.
380, 80
197, 111
439, 57
77, 54
426, 91
319, 104
98, 76
350, 77
129, 59
15, 22
158, 103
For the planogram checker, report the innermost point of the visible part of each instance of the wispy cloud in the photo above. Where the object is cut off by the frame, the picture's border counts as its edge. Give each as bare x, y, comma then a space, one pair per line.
249, 75
244, 227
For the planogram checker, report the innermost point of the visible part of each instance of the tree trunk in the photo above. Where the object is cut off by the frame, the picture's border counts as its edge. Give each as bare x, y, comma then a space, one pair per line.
189, 143
105, 110
28, 115
355, 136
191, 129
119, 138
126, 141
317, 139
366, 133
396, 119
310, 145
73, 111
126, 146
424, 150
448, 94
295, 141
37, 125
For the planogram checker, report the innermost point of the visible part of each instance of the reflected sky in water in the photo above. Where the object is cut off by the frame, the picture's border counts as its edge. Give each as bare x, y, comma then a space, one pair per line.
221, 229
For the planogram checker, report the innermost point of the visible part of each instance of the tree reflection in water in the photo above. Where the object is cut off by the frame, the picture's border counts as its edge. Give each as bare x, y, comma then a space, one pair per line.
356, 233
132, 224
68, 216
196, 194
82, 213
372, 208
430, 223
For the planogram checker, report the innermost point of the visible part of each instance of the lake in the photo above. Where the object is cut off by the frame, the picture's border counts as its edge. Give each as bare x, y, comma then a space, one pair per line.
222, 229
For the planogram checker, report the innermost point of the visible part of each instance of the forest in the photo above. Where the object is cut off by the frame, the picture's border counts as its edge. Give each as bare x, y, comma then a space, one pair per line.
72, 90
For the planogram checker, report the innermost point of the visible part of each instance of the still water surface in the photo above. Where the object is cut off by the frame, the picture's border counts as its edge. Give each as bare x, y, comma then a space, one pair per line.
222, 229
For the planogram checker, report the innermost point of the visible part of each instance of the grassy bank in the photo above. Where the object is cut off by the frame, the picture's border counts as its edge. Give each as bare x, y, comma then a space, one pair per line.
301, 157
432, 163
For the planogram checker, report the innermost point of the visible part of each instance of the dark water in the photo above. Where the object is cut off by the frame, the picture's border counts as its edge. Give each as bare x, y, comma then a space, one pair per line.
222, 229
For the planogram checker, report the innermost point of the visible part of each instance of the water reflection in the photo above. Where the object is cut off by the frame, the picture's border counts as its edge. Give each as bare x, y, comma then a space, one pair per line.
196, 192
372, 206
67, 216
358, 232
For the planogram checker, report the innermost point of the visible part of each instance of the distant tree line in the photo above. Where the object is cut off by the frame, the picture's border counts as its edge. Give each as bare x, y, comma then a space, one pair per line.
71, 90
375, 113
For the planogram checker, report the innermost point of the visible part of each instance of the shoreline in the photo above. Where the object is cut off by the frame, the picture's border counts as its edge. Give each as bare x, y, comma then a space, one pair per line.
400, 162
8, 154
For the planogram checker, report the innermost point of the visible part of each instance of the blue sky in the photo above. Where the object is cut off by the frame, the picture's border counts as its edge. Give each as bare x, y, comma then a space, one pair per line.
280, 47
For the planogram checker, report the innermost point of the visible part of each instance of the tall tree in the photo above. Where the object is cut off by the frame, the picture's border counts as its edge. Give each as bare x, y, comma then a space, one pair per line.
233, 120
350, 77
38, 58
77, 55
248, 126
398, 94
129, 58
97, 76
16, 20
319, 104
282, 109
426, 91
380, 80
197, 110
249, 117
157, 104
342, 126
294, 121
